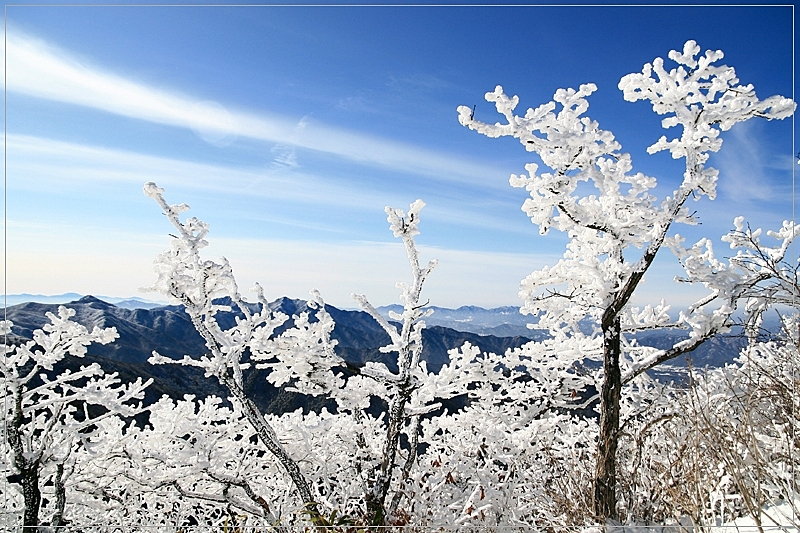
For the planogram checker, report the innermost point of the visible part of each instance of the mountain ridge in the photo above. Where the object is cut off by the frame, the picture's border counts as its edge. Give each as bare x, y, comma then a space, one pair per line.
129, 302
506, 321
169, 330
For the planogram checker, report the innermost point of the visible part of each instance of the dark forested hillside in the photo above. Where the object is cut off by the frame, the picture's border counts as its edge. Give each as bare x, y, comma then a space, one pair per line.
168, 330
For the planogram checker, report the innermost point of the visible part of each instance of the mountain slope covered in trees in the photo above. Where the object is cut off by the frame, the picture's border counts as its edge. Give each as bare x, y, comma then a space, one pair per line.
169, 330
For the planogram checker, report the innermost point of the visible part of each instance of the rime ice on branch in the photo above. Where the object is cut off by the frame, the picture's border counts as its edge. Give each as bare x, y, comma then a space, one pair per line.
412, 392
594, 279
302, 359
50, 416
198, 285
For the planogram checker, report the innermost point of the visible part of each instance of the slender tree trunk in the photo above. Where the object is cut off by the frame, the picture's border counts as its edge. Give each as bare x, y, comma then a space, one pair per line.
605, 477
267, 436
61, 497
28, 467
33, 497
410, 460
376, 499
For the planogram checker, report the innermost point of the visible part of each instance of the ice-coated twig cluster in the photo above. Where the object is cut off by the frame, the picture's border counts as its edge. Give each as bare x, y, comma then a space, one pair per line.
204, 288
50, 416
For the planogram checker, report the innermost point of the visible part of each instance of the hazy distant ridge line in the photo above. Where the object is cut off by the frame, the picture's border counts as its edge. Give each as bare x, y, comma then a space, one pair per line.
499, 321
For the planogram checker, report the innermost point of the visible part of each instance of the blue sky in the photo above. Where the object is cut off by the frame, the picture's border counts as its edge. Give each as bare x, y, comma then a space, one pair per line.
289, 128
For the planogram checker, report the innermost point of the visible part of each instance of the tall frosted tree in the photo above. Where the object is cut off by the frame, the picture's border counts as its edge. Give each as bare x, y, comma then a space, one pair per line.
199, 285
616, 229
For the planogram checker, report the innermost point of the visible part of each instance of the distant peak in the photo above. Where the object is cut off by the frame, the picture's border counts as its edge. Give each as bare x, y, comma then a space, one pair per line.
287, 305
89, 299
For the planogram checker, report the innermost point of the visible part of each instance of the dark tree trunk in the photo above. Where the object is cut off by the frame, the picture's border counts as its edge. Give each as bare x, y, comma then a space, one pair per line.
605, 477
61, 497
28, 467
33, 497
267, 436
376, 498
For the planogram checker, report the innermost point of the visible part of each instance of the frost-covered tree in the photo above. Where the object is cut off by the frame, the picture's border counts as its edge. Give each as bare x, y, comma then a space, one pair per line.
401, 387
722, 446
616, 229
730, 436
198, 285
412, 391
363, 482
485, 467
50, 415
773, 279
745, 419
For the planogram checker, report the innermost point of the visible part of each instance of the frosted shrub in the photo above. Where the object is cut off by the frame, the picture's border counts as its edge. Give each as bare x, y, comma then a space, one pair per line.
51, 415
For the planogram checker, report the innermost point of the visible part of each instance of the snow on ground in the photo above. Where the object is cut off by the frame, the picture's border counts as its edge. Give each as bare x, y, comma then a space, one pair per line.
781, 517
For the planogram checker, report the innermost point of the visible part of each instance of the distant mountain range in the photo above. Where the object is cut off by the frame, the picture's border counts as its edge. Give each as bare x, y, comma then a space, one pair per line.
168, 330
127, 303
499, 321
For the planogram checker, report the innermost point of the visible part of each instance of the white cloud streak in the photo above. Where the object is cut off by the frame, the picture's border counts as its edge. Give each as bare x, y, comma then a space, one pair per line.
38, 164
743, 168
35, 163
39, 69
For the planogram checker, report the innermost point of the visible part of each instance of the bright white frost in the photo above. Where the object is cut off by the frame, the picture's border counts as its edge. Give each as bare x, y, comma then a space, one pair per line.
195, 451
590, 193
372, 484
515, 448
304, 353
721, 446
198, 284
48, 417
479, 466
413, 391
700, 97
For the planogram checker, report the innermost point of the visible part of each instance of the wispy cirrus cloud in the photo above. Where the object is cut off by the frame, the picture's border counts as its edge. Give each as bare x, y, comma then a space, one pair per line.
40, 69
37, 164
748, 168
285, 153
